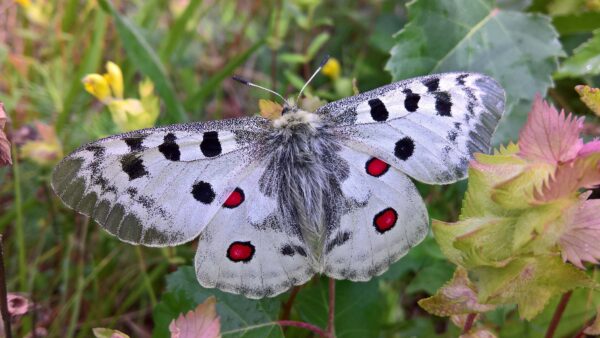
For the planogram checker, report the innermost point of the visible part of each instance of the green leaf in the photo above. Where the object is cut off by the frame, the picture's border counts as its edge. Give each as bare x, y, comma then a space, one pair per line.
585, 59
590, 96
144, 57
292, 58
519, 50
176, 32
529, 282
359, 309
430, 278
239, 316
577, 23
316, 44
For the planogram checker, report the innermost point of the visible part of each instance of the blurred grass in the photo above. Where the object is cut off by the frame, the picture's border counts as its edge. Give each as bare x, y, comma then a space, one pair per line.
78, 276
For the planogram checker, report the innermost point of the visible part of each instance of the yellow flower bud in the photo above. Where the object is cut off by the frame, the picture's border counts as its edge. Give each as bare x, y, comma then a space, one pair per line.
146, 88
269, 109
332, 68
97, 85
114, 77
132, 114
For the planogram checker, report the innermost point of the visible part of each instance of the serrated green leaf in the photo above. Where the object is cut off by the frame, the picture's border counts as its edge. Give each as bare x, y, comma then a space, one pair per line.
519, 50
239, 315
529, 282
590, 96
585, 59
359, 310
145, 58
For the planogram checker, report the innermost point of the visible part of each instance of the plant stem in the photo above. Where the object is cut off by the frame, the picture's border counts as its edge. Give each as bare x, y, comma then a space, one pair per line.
331, 318
304, 325
287, 306
560, 308
19, 223
469, 322
4, 296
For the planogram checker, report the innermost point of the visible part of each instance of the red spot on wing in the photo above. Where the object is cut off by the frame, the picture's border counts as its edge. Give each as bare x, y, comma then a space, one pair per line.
236, 198
240, 252
376, 167
385, 220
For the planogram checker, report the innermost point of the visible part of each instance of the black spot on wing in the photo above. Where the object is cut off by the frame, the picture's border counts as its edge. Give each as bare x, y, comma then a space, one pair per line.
134, 143
210, 145
404, 148
291, 250
133, 166
432, 84
378, 111
203, 192
460, 80
340, 238
411, 101
169, 148
443, 103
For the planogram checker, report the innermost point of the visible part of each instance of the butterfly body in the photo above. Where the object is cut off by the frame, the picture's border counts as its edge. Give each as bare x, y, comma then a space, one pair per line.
274, 202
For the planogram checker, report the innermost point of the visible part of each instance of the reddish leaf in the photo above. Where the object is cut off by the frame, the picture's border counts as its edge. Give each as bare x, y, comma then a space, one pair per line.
203, 322
549, 136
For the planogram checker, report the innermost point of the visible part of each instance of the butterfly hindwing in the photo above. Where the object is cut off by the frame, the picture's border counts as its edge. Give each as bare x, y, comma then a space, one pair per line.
248, 248
387, 218
428, 127
158, 186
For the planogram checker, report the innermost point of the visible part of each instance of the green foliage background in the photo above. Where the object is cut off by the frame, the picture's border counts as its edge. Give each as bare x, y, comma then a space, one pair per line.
80, 278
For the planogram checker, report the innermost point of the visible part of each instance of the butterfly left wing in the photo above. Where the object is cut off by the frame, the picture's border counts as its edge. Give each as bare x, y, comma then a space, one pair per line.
249, 247
385, 217
427, 127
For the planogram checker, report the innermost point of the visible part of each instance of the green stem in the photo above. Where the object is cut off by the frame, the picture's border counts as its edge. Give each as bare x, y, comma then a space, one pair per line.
147, 282
19, 224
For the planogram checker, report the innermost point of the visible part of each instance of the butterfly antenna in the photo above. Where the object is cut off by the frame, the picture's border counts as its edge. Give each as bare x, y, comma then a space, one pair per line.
248, 83
323, 62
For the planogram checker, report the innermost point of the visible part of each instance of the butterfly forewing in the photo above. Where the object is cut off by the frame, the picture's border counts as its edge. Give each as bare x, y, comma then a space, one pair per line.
427, 127
158, 186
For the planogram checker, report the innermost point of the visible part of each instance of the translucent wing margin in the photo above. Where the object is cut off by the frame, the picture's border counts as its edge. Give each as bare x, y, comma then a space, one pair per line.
428, 127
159, 186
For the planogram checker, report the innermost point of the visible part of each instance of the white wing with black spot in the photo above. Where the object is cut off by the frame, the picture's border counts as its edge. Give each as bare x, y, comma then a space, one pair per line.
427, 127
159, 186
249, 248
385, 219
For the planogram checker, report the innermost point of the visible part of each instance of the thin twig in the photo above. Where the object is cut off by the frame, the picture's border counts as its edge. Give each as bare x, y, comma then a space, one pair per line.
303, 325
287, 306
331, 318
581, 332
469, 322
560, 308
4, 295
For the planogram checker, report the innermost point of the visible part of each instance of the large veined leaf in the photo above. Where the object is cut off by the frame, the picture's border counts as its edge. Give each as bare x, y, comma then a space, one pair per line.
519, 50
359, 307
240, 317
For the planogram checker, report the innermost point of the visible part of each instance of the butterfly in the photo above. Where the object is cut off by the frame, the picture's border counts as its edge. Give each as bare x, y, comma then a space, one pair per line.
276, 201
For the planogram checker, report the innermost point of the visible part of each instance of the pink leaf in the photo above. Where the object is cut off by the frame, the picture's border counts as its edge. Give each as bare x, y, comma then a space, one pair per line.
549, 136
580, 240
203, 322
584, 172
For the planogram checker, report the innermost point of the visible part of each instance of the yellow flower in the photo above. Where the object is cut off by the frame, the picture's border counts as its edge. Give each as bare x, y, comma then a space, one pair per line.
97, 85
127, 113
114, 77
38, 11
332, 69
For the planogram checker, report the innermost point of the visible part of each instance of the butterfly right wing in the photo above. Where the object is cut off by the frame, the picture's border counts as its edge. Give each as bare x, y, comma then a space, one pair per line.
249, 247
158, 186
